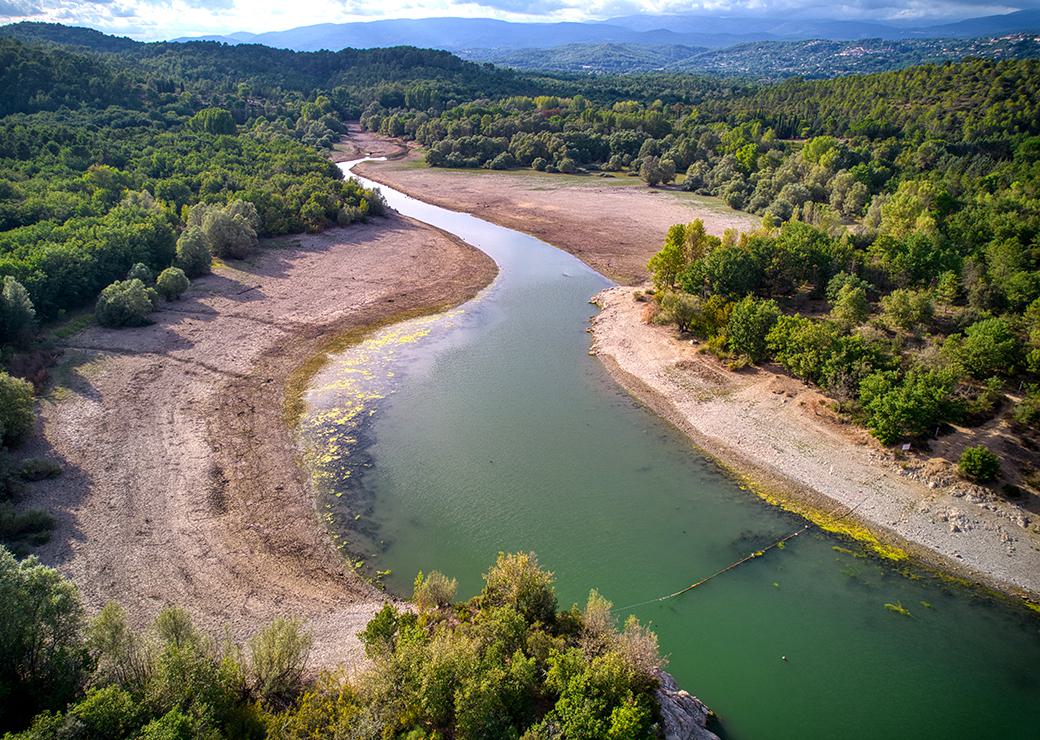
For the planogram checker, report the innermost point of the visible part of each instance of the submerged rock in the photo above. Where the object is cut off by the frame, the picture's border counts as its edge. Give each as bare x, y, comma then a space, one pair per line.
683, 716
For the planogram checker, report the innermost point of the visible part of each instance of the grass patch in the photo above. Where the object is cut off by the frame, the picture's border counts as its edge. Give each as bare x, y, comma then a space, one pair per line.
72, 326
300, 379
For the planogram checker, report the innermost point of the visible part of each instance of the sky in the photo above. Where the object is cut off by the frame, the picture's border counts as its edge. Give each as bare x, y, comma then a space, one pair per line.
163, 19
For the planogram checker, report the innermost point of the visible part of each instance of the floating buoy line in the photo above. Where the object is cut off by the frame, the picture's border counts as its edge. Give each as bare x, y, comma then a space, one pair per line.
736, 564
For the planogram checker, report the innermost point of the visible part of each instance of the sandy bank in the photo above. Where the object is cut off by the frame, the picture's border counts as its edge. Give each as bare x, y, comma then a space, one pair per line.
612, 224
181, 484
785, 438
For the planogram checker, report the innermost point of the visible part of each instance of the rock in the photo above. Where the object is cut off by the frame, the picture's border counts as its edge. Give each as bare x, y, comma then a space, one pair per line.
683, 716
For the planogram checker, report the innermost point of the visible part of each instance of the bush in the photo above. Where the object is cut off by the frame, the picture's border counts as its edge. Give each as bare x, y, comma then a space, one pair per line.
142, 272
851, 307
433, 592
517, 581
909, 407
990, 348
39, 468
42, 657
125, 303
229, 231
193, 255
978, 464
17, 315
801, 346
906, 309
171, 283
278, 657
16, 409
749, 323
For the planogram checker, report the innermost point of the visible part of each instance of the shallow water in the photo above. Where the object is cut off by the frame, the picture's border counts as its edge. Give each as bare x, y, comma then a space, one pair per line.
442, 441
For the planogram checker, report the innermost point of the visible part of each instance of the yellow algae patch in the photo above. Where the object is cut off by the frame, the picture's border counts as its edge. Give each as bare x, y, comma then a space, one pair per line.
299, 381
836, 522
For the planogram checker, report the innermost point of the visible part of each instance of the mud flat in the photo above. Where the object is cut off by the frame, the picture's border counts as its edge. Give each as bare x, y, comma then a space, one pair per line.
181, 482
613, 224
783, 436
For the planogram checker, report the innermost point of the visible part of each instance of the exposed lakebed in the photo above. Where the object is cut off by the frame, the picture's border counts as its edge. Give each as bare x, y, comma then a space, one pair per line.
440, 441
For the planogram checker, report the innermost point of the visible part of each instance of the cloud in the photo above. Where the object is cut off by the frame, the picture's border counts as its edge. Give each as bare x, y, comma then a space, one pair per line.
18, 8
156, 19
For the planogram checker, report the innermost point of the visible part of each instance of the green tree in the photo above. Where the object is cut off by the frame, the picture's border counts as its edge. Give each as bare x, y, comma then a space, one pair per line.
516, 580
906, 309
978, 464
43, 660
906, 407
213, 121
125, 303
278, 658
851, 307
171, 283
749, 324
193, 255
17, 315
989, 348
16, 409
801, 345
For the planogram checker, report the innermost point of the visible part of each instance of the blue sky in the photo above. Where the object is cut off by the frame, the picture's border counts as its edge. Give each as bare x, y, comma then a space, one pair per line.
158, 19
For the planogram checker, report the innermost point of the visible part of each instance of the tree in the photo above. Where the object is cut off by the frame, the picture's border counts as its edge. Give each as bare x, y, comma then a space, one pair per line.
978, 464
42, 656
230, 231
989, 348
17, 315
801, 345
171, 283
851, 307
278, 657
906, 407
656, 171
516, 580
906, 309
749, 323
193, 255
142, 272
16, 408
125, 303
213, 121
729, 271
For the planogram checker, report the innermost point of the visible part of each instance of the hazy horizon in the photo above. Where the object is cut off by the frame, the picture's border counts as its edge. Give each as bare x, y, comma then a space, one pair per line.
166, 19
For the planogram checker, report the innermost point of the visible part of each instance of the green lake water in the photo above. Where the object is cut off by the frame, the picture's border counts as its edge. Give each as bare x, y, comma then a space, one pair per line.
440, 442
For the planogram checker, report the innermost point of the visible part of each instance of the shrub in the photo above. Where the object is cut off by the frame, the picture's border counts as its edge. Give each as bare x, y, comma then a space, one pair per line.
897, 408
39, 468
749, 323
727, 270
193, 255
801, 346
978, 464
989, 348
142, 272
229, 231
906, 309
171, 283
516, 580
16, 409
278, 657
842, 279
851, 307
42, 658
433, 592
17, 315
125, 303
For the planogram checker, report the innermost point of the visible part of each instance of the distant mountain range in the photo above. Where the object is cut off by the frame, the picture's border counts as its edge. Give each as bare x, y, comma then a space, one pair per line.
763, 59
466, 34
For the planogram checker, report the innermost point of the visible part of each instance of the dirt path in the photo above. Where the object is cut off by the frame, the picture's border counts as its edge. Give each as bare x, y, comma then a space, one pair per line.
784, 437
181, 484
612, 224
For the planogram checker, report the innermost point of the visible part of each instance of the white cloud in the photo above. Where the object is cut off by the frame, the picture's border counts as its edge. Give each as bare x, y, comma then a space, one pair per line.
162, 19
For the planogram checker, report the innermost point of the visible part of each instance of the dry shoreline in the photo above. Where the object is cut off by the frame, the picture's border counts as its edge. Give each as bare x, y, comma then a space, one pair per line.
612, 226
181, 482
781, 437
